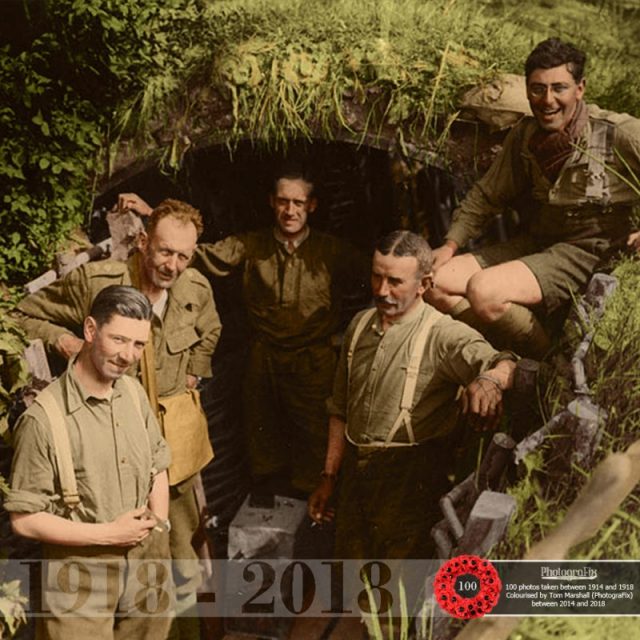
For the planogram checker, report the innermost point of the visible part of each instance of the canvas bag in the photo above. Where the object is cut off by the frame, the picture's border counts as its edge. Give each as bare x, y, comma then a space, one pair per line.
185, 429
184, 425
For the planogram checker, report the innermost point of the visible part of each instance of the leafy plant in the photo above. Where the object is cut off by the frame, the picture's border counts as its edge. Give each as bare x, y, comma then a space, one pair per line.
13, 376
159, 78
12, 608
13, 370
59, 98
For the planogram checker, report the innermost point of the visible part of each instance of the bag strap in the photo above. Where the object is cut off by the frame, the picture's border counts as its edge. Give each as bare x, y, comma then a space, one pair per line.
600, 150
130, 384
62, 448
148, 359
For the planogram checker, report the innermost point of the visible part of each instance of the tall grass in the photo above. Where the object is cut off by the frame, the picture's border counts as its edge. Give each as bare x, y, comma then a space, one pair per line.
287, 68
549, 483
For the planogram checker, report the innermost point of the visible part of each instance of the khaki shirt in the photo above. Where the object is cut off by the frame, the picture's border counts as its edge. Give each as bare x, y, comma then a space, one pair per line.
184, 339
585, 201
293, 300
115, 456
369, 402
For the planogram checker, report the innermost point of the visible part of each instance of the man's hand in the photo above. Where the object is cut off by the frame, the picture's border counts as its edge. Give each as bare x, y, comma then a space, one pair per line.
482, 399
317, 505
68, 345
482, 402
443, 254
133, 202
192, 381
131, 528
633, 240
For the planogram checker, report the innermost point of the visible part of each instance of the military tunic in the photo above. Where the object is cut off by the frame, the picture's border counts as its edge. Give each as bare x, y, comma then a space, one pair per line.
294, 303
573, 222
115, 458
184, 340
388, 496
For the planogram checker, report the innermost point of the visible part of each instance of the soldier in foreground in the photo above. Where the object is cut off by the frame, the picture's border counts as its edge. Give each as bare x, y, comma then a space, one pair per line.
394, 400
185, 329
108, 500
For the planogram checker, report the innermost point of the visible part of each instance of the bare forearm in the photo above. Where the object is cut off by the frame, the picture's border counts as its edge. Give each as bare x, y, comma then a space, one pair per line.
319, 508
336, 444
159, 496
52, 529
126, 530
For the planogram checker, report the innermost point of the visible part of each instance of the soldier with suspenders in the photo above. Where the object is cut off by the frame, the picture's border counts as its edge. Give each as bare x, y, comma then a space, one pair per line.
89, 481
394, 397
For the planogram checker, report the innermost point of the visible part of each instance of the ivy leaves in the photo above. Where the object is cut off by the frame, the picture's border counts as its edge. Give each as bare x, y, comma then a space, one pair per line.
58, 102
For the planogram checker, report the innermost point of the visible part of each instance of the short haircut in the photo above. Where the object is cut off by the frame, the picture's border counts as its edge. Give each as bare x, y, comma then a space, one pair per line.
294, 170
403, 243
120, 300
180, 211
553, 52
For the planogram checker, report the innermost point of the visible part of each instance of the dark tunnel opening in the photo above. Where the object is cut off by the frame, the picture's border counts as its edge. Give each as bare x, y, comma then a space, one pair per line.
362, 192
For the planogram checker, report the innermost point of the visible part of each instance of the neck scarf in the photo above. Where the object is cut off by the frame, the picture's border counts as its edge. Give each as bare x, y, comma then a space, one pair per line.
551, 149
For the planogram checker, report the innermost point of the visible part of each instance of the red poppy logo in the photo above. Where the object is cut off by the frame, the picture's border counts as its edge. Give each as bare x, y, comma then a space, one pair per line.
467, 587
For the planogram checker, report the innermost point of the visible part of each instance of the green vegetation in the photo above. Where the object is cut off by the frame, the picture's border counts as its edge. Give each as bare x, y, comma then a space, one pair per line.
550, 484
13, 370
13, 376
162, 76
59, 99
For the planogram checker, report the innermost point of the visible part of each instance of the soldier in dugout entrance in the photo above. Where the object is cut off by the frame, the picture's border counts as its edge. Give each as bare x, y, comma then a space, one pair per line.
294, 280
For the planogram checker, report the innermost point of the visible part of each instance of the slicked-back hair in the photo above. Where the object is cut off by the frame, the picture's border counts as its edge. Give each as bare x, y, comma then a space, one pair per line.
402, 243
120, 300
178, 210
293, 170
553, 52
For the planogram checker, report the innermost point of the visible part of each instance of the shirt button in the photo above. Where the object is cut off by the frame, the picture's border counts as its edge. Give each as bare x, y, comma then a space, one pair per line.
123, 460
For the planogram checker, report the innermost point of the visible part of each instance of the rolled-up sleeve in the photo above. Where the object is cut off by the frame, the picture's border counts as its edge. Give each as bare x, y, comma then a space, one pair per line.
32, 484
465, 353
160, 452
220, 258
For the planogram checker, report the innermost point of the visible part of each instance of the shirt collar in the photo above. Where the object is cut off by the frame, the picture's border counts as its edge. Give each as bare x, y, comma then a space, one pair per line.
283, 240
75, 394
407, 318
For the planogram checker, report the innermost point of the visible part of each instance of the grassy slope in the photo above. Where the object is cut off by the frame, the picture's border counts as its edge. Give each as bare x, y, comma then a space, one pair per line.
285, 65
550, 485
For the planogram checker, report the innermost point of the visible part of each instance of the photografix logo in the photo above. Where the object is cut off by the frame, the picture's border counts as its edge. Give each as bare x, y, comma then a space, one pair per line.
573, 573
